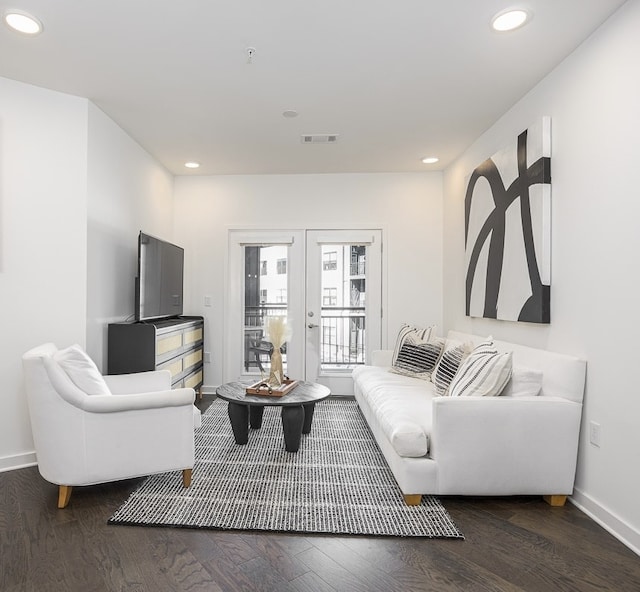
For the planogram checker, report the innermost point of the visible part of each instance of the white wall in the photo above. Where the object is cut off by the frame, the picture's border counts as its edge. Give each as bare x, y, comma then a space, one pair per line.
592, 98
128, 191
43, 156
408, 207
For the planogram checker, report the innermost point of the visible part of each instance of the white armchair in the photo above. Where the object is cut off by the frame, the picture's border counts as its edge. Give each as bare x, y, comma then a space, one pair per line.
89, 429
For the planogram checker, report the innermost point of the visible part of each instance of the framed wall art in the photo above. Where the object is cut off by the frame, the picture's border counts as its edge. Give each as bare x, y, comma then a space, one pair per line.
508, 230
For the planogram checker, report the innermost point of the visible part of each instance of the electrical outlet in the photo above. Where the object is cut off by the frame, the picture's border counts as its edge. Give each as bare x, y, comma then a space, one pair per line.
594, 433
207, 357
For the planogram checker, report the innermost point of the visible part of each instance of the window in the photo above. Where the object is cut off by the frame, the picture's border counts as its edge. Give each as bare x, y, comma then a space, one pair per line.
263, 296
329, 296
281, 266
281, 296
330, 261
263, 268
358, 260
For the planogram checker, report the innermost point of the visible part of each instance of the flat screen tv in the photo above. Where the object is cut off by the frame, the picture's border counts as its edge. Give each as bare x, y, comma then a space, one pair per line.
159, 283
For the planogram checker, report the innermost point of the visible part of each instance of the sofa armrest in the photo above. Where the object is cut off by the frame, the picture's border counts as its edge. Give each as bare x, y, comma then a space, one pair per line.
139, 382
382, 357
504, 445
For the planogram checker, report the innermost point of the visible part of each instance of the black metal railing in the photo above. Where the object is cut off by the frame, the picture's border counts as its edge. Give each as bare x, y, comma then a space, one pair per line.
358, 268
342, 338
342, 343
254, 316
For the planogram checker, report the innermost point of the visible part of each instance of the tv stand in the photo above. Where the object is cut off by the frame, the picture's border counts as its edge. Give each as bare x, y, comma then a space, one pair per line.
174, 343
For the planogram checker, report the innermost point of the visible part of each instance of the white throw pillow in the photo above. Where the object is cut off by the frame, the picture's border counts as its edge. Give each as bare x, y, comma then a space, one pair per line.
82, 371
483, 374
525, 382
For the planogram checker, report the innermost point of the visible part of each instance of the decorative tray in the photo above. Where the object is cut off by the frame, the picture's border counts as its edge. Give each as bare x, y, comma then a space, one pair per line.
262, 388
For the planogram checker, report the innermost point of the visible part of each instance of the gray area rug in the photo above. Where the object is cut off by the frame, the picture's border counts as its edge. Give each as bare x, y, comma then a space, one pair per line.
338, 482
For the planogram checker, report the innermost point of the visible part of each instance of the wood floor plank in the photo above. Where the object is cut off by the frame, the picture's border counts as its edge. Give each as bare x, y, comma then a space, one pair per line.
280, 553
367, 571
347, 579
263, 577
178, 564
310, 582
376, 551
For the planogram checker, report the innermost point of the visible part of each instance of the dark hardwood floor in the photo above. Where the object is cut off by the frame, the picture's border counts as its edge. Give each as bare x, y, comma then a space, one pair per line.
512, 544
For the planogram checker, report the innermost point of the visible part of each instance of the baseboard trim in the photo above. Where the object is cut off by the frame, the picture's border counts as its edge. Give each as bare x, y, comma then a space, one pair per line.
613, 524
18, 461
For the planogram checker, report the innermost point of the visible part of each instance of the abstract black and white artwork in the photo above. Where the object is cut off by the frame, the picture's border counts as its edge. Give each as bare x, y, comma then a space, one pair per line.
508, 230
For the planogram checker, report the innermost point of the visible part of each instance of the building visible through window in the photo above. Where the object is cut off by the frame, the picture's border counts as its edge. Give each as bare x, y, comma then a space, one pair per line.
330, 261
329, 296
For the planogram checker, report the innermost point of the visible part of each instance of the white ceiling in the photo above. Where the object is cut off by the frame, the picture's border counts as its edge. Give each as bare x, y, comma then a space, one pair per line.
395, 79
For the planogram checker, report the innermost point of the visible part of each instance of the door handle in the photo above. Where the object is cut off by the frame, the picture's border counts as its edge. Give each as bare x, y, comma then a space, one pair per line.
312, 325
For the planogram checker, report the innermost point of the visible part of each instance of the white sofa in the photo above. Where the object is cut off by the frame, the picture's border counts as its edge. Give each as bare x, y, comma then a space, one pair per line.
504, 445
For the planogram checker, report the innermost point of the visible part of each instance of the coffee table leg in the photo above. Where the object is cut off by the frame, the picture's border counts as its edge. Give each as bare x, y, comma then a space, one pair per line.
255, 416
308, 417
292, 421
239, 417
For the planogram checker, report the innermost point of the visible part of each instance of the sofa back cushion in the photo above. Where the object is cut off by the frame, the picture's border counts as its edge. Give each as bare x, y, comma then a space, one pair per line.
562, 375
525, 382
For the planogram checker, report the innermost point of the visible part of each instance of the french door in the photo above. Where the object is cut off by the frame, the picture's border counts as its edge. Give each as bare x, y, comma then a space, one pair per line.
343, 304
327, 284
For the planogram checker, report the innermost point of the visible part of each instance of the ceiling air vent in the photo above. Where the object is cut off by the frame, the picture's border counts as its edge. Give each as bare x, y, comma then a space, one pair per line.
319, 138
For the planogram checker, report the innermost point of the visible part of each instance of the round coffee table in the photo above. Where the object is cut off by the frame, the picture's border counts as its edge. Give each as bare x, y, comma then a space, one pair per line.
297, 410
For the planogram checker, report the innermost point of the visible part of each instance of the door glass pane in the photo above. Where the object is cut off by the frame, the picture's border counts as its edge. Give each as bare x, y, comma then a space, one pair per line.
343, 272
265, 294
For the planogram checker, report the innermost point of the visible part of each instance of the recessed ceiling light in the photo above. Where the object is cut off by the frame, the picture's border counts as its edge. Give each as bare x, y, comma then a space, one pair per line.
192, 164
511, 19
290, 113
23, 22
430, 159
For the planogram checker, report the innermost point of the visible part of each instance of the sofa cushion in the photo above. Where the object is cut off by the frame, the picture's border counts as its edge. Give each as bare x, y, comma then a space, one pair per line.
401, 406
82, 371
454, 354
524, 382
418, 358
483, 374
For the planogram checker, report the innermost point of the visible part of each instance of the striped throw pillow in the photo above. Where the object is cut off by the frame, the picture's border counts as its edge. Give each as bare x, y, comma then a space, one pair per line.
418, 359
483, 374
447, 367
413, 334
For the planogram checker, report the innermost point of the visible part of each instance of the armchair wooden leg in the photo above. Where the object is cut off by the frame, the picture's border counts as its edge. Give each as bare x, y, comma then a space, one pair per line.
412, 499
186, 477
555, 500
64, 495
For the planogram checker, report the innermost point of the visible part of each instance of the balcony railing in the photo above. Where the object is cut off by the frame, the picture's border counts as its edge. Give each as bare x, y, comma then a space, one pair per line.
254, 316
342, 342
342, 337
358, 268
